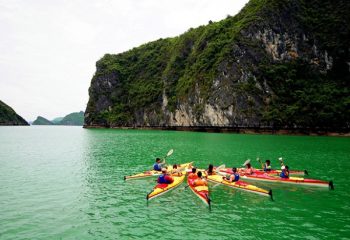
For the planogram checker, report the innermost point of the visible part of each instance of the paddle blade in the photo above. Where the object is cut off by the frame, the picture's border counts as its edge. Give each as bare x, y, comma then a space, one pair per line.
220, 167
170, 152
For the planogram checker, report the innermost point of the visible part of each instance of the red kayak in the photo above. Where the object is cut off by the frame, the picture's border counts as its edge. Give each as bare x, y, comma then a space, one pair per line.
201, 191
277, 171
291, 180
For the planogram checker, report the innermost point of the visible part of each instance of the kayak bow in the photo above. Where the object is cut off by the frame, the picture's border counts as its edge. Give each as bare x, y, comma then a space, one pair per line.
152, 173
241, 185
162, 188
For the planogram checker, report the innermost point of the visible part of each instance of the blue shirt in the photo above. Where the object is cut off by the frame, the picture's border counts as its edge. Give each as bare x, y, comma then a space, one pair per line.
157, 167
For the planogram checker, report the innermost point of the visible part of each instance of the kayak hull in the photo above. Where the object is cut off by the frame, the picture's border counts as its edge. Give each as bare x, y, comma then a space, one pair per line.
200, 191
152, 173
278, 171
291, 180
160, 190
241, 185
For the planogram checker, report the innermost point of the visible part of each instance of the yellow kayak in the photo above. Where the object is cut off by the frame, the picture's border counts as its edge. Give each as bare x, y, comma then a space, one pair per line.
240, 185
162, 188
152, 173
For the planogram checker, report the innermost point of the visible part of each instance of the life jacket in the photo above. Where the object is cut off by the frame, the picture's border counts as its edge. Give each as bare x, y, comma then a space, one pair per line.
284, 174
199, 182
267, 168
236, 177
157, 167
192, 176
163, 179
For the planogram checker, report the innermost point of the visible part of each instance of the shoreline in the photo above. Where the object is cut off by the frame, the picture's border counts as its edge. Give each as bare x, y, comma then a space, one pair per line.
239, 130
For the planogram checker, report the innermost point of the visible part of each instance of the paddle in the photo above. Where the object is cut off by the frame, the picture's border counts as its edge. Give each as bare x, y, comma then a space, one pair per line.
262, 165
168, 154
281, 161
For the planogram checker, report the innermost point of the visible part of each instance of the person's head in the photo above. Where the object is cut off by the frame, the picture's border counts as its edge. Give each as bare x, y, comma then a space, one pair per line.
199, 174
248, 165
268, 162
164, 170
210, 168
174, 166
287, 168
194, 170
157, 160
234, 169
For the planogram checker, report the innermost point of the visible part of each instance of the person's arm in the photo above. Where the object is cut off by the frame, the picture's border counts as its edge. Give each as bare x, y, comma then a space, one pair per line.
232, 178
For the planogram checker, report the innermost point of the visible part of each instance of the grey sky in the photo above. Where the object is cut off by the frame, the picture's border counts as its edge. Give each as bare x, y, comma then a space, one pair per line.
49, 48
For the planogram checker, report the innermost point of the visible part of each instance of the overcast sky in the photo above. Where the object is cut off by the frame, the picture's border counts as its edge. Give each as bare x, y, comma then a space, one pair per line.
48, 49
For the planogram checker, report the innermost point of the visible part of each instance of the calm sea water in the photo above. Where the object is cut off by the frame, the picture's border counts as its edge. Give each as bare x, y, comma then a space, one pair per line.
67, 183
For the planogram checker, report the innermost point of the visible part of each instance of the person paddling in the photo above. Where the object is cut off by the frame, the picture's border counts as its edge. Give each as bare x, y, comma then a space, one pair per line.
248, 168
267, 166
285, 172
199, 181
193, 174
210, 170
176, 171
234, 177
157, 166
165, 178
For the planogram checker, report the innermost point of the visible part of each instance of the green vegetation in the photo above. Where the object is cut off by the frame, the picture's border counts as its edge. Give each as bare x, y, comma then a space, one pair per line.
9, 117
299, 94
42, 121
73, 119
56, 120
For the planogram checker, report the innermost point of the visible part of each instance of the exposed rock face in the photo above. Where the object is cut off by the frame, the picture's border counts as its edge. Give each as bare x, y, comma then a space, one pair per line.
9, 117
278, 64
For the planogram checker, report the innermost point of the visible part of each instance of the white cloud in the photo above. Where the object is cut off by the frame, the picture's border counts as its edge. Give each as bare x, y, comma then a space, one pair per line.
49, 48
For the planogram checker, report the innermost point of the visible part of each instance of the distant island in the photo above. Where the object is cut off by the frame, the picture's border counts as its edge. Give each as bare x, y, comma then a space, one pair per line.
8, 117
72, 119
277, 65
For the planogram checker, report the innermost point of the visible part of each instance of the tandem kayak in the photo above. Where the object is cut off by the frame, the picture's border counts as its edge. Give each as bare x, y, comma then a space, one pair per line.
291, 180
201, 191
152, 173
240, 185
162, 188
277, 171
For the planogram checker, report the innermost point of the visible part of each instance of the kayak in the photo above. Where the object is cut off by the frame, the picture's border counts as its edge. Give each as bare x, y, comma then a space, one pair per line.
152, 173
162, 188
277, 171
200, 191
291, 180
240, 185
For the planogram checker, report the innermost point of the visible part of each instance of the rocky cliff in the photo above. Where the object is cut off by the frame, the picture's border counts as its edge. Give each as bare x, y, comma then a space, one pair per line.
277, 64
9, 117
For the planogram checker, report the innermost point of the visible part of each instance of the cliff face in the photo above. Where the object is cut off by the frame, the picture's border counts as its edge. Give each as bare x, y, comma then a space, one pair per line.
278, 63
9, 117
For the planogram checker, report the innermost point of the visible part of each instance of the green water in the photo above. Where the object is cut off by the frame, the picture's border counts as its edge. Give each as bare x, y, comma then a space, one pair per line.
67, 183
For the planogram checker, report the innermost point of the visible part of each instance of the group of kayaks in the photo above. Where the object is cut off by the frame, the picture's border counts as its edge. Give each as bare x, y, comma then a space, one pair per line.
217, 177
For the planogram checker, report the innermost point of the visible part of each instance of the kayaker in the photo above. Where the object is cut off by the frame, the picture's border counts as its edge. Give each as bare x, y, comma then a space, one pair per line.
210, 170
234, 177
176, 171
248, 168
158, 165
267, 166
199, 181
165, 178
193, 174
285, 172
